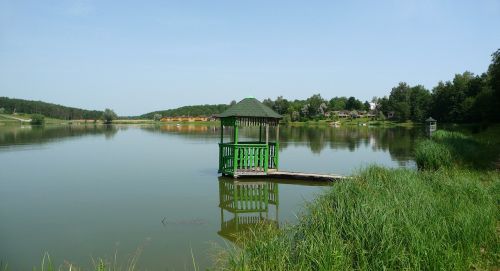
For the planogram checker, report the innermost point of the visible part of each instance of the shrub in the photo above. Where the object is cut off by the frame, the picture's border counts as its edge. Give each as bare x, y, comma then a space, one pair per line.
37, 119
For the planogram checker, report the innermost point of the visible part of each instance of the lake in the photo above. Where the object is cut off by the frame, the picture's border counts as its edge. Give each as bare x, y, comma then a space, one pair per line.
81, 192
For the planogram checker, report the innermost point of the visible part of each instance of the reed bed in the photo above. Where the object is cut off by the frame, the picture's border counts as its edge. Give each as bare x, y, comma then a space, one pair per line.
386, 219
442, 217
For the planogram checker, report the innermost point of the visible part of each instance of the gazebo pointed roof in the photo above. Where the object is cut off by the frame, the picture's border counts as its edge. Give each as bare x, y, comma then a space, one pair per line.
250, 108
430, 119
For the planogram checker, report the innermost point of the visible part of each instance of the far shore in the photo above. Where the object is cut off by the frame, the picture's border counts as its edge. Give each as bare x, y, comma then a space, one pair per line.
7, 119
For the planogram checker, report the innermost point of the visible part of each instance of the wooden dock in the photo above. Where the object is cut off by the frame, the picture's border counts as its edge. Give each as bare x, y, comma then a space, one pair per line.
306, 176
292, 175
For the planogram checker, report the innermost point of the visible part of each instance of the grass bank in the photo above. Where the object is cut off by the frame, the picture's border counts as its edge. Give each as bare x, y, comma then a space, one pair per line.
354, 122
456, 150
445, 218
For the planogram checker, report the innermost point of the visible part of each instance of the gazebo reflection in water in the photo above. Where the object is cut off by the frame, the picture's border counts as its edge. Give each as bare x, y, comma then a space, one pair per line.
249, 204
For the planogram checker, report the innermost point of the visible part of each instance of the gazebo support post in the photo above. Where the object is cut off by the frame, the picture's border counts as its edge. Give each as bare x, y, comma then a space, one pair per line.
235, 158
277, 147
260, 133
266, 159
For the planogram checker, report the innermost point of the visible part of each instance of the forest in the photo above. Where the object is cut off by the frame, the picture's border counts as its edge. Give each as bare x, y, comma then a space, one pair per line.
10, 106
190, 110
466, 98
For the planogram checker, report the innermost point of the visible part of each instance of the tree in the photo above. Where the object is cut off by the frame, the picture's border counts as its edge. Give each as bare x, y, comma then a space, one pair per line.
448, 99
494, 83
381, 116
280, 105
268, 102
287, 119
156, 117
337, 103
314, 103
2, 110
295, 115
37, 119
366, 106
108, 116
353, 104
409, 103
420, 99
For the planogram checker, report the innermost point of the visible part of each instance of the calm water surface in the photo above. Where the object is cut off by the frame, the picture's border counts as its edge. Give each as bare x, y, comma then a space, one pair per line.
87, 191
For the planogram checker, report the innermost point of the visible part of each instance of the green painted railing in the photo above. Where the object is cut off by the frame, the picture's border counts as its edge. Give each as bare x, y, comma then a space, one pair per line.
247, 157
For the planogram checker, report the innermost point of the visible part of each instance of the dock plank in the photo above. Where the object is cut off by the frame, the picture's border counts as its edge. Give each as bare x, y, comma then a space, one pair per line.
306, 176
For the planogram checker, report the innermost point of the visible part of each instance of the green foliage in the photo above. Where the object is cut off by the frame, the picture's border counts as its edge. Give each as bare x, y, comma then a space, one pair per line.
2, 110
353, 104
37, 119
193, 111
448, 149
430, 155
381, 116
47, 109
386, 219
100, 266
408, 103
337, 103
467, 151
494, 83
108, 116
157, 117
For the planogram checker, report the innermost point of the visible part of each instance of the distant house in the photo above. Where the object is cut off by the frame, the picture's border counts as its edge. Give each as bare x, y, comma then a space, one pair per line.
342, 114
390, 114
184, 119
372, 114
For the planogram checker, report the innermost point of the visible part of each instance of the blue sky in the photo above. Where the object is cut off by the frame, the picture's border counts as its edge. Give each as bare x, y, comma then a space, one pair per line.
140, 56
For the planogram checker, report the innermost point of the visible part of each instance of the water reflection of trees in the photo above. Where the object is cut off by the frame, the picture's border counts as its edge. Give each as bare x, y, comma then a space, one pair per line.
398, 141
21, 135
248, 204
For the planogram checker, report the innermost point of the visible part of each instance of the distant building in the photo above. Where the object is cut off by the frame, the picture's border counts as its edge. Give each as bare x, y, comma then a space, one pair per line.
390, 114
341, 114
372, 114
184, 119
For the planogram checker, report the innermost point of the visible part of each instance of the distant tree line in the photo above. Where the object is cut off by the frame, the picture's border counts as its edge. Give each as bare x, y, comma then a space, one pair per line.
467, 98
47, 109
191, 110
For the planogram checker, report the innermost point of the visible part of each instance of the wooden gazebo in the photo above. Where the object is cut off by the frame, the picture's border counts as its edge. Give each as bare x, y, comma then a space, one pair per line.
249, 158
431, 126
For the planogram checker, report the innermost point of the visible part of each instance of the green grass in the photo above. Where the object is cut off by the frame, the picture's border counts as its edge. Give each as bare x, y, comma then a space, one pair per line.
430, 155
444, 217
99, 264
392, 219
354, 122
449, 149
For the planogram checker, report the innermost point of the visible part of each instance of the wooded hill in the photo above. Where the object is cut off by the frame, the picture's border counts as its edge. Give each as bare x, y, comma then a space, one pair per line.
191, 110
50, 110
